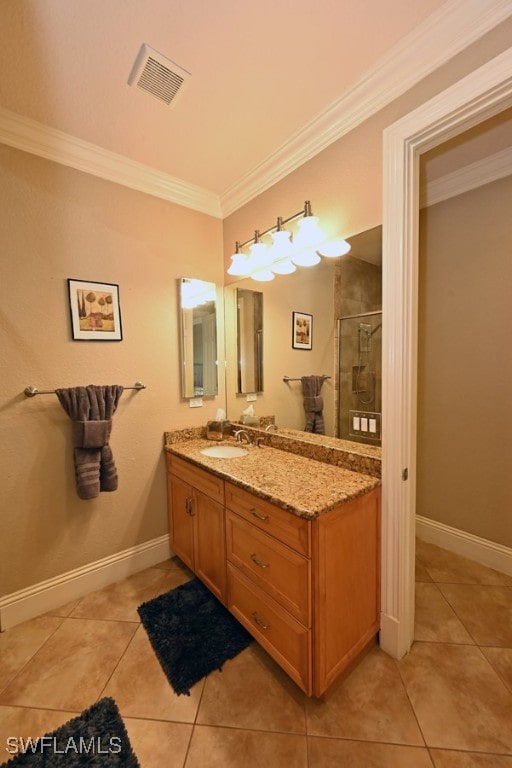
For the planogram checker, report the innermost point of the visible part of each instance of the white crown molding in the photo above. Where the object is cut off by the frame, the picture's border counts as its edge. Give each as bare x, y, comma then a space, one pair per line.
38, 139
449, 30
453, 27
470, 177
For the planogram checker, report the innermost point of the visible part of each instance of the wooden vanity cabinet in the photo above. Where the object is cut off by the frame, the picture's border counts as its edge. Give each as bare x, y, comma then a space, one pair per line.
307, 590
196, 522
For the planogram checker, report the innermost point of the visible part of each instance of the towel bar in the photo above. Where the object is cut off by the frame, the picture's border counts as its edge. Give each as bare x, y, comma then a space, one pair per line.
32, 391
287, 378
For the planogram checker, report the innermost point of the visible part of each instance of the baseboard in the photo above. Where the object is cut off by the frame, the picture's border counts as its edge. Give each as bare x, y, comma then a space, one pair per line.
466, 544
52, 593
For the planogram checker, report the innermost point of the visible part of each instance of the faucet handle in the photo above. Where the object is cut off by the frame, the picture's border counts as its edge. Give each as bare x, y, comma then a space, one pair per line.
239, 434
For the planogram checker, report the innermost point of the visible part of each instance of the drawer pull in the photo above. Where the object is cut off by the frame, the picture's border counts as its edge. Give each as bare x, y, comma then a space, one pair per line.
259, 621
258, 562
260, 517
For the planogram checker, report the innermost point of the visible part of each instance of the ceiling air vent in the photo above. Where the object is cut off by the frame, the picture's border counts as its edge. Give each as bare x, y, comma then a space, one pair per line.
157, 75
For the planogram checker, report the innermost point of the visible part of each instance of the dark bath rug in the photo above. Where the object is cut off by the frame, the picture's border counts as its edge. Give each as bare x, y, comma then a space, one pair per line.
95, 739
191, 633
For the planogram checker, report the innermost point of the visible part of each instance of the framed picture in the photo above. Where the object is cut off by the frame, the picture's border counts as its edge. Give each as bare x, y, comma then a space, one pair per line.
302, 330
95, 311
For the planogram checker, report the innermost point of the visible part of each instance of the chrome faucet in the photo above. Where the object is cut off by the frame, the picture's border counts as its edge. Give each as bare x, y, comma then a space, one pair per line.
270, 427
239, 433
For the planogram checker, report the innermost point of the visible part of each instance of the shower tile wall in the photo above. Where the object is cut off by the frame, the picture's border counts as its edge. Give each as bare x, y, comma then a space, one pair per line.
357, 289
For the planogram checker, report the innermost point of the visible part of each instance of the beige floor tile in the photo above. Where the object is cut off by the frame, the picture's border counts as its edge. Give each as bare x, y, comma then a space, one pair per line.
446, 759
252, 692
334, 753
158, 744
64, 610
371, 704
24, 722
174, 564
449, 568
501, 660
233, 748
72, 667
435, 620
485, 611
421, 572
141, 689
119, 601
18, 644
458, 698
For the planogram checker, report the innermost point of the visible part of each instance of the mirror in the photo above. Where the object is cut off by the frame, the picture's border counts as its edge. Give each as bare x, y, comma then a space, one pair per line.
198, 331
249, 340
334, 288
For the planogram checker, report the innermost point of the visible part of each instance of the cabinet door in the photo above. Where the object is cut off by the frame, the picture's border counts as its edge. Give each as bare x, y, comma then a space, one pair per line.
180, 519
209, 544
347, 583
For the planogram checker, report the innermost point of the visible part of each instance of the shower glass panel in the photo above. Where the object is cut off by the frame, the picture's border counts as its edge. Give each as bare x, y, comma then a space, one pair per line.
360, 377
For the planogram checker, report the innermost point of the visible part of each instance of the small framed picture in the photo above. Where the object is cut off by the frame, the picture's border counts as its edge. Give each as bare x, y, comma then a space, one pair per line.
95, 311
302, 330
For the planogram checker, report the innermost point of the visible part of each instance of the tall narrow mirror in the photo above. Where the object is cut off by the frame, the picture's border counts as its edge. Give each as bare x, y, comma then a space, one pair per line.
249, 339
198, 330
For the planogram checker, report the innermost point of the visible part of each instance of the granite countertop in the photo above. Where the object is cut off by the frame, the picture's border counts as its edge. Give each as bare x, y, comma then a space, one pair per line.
299, 484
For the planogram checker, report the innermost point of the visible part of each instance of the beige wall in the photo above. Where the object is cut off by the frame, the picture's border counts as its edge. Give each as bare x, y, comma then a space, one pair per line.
465, 365
58, 223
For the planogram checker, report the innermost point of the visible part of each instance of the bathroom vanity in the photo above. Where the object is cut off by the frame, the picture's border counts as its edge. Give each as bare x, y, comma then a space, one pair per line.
289, 544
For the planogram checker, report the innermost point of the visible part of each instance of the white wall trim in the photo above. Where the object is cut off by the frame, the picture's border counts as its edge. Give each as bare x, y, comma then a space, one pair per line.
446, 32
59, 590
482, 94
466, 544
450, 29
38, 139
484, 171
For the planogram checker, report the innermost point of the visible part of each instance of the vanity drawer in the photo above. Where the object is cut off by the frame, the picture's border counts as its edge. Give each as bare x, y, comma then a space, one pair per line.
285, 526
209, 484
277, 569
284, 638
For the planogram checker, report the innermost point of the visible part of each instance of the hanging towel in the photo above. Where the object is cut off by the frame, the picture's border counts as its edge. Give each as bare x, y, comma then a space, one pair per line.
91, 409
313, 404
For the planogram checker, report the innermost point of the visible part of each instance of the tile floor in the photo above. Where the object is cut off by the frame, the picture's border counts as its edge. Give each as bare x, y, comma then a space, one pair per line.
447, 704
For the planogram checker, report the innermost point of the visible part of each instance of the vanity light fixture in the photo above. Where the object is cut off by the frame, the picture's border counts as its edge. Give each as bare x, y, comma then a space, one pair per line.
286, 252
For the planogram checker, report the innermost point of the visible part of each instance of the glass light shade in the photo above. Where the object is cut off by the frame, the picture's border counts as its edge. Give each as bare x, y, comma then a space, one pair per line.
309, 234
238, 265
258, 257
306, 259
281, 245
263, 275
332, 248
283, 267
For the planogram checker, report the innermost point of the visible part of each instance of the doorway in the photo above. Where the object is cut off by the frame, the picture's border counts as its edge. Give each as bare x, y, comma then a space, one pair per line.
476, 97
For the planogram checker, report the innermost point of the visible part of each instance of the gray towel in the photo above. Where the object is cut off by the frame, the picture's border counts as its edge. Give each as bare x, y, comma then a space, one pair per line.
313, 404
91, 409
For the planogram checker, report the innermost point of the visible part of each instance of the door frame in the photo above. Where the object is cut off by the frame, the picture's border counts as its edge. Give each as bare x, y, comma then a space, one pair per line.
478, 96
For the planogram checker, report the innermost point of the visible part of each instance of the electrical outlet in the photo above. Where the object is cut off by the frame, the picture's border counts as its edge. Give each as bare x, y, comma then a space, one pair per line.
252, 397
195, 402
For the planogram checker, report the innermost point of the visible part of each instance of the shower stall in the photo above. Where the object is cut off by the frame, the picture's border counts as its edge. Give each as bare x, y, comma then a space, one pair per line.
360, 377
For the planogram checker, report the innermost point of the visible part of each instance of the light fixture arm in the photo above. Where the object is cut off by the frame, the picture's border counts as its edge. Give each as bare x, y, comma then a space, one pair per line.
306, 211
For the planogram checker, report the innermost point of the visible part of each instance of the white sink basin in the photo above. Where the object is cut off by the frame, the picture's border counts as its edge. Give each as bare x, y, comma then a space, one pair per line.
224, 451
